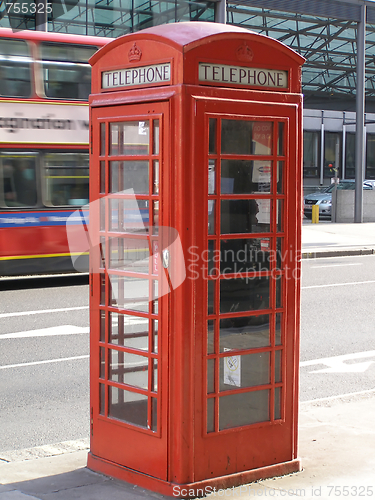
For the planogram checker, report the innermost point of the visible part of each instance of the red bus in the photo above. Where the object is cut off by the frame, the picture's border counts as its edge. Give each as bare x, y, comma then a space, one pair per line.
45, 80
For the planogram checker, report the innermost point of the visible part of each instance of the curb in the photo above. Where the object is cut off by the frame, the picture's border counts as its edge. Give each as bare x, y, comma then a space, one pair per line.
337, 253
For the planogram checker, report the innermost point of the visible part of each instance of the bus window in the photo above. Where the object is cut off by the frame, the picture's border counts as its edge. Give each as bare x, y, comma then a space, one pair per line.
66, 72
66, 179
18, 180
15, 68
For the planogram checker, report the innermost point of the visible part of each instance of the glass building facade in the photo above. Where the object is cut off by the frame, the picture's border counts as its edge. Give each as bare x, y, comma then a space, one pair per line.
325, 33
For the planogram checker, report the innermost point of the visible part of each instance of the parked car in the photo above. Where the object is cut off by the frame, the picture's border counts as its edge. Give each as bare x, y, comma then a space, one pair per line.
324, 198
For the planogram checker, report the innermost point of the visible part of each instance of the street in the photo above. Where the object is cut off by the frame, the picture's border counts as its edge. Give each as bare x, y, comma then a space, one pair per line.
44, 349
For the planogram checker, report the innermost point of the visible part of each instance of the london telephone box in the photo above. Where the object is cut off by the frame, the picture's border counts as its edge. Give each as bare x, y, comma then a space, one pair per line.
196, 147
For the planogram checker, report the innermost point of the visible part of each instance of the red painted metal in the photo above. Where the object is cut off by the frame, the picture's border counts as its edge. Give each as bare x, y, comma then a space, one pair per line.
184, 450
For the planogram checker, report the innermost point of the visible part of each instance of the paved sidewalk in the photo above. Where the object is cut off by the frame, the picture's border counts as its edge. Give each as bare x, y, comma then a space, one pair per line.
336, 435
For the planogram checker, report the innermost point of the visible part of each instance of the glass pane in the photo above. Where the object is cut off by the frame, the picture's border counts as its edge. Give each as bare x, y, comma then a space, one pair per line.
277, 403
102, 362
102, 177
102, 214
102, 256
154, 414
154, 383
126, 175
101, 399
155, 216
278, 329
246, 332
211, 217
66, 179
102, 139
311, 159
211, 297
244, 294
128, 331
155, 328
155, 297
156, 145
129, 215
332, 140
280, 142
16, 62
211, 176
247, 370
246, 137
245, 177
156, 180
130, 138
280, 177
129, 293
102, 289
210, 336
18, 176
278, 376
212, 135
211, 415
129, 254
102, 326
280, 216
236, 410
210, 376
245, 216
245, 255
128, 368
128, 406
279, 287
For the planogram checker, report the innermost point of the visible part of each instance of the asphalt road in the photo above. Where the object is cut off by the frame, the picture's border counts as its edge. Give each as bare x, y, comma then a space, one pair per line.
44, 384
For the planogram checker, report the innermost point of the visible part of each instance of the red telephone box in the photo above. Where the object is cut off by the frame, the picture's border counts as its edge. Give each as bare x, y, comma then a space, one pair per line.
196, 155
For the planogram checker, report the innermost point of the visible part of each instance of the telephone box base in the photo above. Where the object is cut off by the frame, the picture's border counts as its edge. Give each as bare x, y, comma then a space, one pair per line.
190, 490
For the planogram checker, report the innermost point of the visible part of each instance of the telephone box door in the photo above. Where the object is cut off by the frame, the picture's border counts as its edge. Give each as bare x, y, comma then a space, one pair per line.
248, 247
129, 314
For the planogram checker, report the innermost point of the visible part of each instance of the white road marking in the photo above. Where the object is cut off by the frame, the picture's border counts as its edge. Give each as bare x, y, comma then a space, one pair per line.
46, 332
42, 311
337, 265
33, 363
336, 364
338, 284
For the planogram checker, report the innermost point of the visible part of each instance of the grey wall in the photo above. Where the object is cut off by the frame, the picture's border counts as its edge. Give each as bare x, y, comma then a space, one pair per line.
345, 206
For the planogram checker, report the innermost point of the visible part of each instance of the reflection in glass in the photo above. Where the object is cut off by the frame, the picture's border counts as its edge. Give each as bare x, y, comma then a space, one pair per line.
127, 406
133, 175
211, 297
210, 376
102, 255
102, 177
245, 255
102, 289
154, 382
102, 326
246, 408
129, 138
101, 399
155, 327
246, 332
212, 136
278, 328
246, 137
245, 216
102, 214
129, 254
247, 370
128, 331
279, 284
280, 142
210, 336
211, 176
245, 177
102, 362
280, 216
155, 296
155, 217
278, 376
280, 177
102, 139
211, 217
129, 293
277, 403
244, 294
156, 142
127, 368
211, 415
156, 181
128, 215
212, 264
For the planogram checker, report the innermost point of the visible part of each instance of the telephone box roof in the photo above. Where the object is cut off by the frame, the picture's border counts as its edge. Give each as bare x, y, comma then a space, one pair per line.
188, 35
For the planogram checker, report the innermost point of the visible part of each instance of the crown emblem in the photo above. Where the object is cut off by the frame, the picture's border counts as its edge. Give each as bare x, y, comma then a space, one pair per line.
244, 53
134, 53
